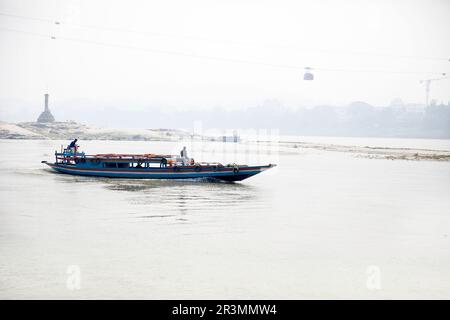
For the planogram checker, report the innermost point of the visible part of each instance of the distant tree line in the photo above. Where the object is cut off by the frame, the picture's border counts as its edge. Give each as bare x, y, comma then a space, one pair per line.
357, 119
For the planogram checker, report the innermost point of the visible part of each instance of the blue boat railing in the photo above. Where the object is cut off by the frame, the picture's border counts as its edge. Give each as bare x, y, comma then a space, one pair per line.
69, 153
71, 157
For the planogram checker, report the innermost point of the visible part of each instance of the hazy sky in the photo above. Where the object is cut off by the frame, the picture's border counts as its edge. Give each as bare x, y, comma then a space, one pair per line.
185, 53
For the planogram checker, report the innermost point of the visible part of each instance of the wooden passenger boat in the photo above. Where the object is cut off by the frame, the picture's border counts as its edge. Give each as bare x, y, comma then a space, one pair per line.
148, 166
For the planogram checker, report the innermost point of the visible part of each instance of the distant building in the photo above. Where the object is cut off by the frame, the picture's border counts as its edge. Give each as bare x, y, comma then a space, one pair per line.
234, 138
46, 116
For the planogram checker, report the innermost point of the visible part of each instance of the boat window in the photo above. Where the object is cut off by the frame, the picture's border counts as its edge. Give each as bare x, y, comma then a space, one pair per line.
154, 165
110, 165
123, 165
138, 165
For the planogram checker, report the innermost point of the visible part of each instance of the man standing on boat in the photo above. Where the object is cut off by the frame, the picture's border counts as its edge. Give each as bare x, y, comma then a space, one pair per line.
184, 156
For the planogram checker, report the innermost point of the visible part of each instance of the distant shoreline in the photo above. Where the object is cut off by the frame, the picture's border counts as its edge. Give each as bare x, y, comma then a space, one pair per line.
70, 130
298, 145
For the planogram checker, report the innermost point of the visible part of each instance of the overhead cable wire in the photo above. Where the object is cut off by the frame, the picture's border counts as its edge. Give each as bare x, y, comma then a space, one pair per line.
214, 58
242, 43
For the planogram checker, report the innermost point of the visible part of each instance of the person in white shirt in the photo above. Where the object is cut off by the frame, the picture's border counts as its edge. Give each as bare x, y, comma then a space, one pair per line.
183, 154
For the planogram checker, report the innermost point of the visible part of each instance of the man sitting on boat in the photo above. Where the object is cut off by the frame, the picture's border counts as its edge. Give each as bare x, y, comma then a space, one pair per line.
163, 163
73, 146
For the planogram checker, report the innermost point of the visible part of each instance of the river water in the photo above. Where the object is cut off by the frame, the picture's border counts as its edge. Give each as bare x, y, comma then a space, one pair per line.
320, 225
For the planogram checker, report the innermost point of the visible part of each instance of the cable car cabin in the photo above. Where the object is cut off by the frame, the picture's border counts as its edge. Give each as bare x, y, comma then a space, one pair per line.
308, 76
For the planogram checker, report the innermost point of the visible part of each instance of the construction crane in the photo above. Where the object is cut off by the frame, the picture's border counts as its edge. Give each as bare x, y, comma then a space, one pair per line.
427, 87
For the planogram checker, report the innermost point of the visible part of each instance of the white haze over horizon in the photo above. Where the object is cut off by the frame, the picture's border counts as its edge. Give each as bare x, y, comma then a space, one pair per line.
90, 77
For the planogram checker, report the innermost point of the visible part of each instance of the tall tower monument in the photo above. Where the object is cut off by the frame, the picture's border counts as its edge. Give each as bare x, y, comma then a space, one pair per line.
46, 116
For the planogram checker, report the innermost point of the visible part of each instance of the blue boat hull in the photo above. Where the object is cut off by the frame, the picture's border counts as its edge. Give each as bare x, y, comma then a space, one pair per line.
223, 173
